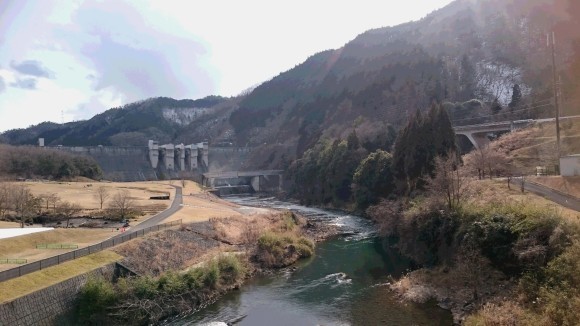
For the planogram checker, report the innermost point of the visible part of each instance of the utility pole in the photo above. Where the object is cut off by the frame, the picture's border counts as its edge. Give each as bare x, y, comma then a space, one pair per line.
552, 44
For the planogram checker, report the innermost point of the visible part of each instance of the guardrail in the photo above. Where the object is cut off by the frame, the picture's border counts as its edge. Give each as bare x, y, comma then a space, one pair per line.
71, 255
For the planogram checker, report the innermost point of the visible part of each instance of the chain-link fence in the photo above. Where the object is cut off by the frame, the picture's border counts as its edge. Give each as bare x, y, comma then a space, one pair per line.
55, 260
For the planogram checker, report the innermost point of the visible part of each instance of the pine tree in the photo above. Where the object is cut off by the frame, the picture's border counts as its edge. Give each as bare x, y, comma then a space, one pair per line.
516, 97
496, 106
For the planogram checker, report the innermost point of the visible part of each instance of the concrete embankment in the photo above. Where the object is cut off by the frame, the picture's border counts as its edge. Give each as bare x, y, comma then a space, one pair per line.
49, 305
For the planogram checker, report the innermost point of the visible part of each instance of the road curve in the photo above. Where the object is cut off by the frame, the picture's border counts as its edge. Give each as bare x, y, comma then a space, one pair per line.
551, 194
159, 217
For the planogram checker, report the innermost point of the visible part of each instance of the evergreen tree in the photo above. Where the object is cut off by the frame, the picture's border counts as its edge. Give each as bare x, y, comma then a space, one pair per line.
353, 141
516, 97
467, 78
496, 106
418, 144
373, 179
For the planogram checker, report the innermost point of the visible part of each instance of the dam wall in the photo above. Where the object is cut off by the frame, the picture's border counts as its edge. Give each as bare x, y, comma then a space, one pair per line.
162, 161
119, 163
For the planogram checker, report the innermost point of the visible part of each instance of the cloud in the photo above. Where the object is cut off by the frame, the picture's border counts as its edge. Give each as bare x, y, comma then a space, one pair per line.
128, 51
2, 84
31, 68
24, 83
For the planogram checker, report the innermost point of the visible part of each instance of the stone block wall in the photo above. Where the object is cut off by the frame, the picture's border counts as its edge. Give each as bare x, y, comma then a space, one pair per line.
47, 306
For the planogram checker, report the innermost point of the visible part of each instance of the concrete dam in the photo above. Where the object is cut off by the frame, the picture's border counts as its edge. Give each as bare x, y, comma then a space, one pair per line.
211, 166
161, 162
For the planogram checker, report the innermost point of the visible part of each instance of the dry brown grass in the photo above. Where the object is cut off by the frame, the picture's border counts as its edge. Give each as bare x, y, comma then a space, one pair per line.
201, 206
485, 191
569, 185
505, 313
9, 225
83, 194
245, 230
536, 145
24, 246
14, 288
164, 251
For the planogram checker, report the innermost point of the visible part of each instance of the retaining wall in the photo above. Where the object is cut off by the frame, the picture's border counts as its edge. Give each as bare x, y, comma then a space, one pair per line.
49, 305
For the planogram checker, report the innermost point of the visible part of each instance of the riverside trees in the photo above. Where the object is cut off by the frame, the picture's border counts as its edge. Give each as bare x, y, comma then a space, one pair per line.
343, 172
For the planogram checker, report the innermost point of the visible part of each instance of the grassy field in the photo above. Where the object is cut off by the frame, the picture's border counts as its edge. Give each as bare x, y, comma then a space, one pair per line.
484, 191
14, 288
201, 206
536, 146
84, 193
569, 185
24, 246
4, 224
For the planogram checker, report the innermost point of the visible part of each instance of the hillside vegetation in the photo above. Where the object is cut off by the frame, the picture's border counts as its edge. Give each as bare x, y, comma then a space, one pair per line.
31, 162
485, 60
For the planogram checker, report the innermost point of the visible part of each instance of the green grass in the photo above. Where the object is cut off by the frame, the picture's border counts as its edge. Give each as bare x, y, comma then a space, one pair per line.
29, 283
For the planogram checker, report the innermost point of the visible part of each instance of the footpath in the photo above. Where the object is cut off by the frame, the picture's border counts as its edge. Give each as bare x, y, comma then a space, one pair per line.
551, 194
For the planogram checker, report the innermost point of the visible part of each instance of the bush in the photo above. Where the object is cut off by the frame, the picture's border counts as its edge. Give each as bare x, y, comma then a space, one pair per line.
145, 287
275, 250
172, 283
504, 314
96, 296
231, 269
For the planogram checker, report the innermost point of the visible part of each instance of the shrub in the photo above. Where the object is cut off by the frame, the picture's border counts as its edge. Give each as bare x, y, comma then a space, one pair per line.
211, 275
95, 297
503, 314
231, 268
145, 287
172, 283
275, 250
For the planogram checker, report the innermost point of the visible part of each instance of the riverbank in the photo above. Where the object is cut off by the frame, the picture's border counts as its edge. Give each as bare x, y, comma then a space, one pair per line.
186, 269
500, 248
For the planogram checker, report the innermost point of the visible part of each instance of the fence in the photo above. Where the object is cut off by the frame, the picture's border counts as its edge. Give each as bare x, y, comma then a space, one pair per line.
13, 261
55, 246
55, 260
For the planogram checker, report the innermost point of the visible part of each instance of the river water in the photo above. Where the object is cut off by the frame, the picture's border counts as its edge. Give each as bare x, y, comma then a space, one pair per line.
344, 283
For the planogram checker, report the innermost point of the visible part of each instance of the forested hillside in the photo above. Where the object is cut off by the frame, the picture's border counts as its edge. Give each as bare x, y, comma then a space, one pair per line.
163, 119
486, 60
483, 60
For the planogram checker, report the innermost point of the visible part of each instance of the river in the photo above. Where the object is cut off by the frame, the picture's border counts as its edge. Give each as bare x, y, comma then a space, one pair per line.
344, 283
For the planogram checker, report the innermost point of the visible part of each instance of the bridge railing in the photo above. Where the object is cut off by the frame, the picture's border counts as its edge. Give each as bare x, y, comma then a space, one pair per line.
59, 259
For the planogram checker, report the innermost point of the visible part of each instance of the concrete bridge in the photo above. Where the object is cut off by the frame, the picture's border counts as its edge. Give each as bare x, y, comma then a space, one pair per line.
259, 181
477, 134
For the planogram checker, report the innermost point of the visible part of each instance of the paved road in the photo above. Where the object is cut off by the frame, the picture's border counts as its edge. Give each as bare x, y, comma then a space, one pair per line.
159, 217
555, 196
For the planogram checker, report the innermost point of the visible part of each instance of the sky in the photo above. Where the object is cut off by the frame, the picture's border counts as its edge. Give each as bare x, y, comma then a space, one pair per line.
67, 60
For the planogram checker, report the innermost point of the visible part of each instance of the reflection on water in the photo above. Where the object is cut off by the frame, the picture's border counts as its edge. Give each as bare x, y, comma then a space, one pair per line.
343, 284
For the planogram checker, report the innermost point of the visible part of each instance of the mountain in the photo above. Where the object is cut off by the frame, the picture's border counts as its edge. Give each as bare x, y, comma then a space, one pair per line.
472, 55
163, 119
470, 49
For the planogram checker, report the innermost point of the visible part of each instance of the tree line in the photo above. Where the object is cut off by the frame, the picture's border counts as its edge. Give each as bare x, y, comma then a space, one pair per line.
18, 203
30, 162
344, 173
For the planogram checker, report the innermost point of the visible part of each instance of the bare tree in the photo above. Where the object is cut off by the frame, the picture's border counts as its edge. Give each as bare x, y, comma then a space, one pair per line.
122, 203
449, 181
50, 200
102, 195
487, 161
68, 210
4, 199
24, 203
